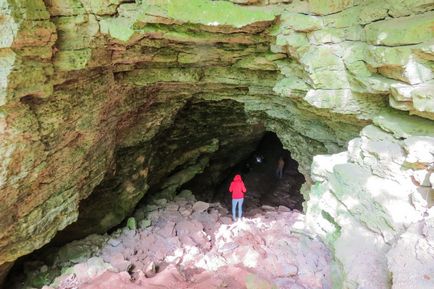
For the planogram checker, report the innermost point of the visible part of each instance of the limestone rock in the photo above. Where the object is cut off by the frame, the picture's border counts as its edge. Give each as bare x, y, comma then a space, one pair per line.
200, 207
150, 270
411, 258
329, 7
144, 224
357, 194
392, 32
187, 195
102, 102
251, 253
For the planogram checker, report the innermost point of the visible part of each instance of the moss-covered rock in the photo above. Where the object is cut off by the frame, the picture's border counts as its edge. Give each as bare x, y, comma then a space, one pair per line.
103, 102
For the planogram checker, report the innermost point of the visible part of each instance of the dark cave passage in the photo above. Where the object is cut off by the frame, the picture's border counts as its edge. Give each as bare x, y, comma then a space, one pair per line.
264, 187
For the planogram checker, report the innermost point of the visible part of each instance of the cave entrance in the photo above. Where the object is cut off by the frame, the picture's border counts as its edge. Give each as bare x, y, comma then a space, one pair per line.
264, 186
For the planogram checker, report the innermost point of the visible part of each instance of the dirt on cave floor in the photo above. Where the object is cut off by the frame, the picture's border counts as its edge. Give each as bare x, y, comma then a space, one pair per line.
190, 244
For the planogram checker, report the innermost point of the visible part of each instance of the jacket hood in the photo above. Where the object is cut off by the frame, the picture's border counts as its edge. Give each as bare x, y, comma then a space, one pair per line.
237, 178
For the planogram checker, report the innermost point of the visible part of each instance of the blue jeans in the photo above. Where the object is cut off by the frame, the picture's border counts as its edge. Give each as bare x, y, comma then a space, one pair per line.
279, 173
236, 202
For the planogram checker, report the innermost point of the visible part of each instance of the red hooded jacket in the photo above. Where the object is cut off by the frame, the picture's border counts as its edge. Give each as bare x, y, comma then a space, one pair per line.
237, 188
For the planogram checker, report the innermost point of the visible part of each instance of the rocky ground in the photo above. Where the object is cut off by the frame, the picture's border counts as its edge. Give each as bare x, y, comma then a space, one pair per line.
191, 244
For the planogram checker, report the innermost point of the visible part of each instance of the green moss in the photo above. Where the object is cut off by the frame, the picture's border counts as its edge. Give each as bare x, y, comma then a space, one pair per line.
216, 13
334, 235
28, 9
212, 13
72, 59
40, 279
131, 223
258, 62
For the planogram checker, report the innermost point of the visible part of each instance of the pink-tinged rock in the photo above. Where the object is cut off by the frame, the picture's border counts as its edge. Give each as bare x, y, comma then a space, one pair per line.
283, 209
168, 230
255, 212
187, 241
201, 239
228, 247
170, 277
150, 270
268, 208
114, 242
129, 240
291, 269
111, 280
185, 212
153, 216
286, 283
182, 203
297, 286
68, 282
188, 227
172, 216
118, 261
222, 211
146, 239
81, 272
209, 221
202, 253
226, 220
200, 207
172, 207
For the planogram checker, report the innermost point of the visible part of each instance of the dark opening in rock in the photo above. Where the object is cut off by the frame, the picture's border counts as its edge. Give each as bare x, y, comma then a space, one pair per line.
264, 186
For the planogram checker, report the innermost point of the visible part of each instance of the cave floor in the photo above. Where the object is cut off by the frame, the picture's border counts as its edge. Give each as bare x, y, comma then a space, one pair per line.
193, 244
264, 187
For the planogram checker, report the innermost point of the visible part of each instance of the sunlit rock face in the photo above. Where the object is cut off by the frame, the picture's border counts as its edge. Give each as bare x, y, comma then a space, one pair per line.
368, 200
94, 99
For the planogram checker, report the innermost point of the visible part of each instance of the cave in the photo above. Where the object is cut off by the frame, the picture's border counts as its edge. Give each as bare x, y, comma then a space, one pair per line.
263, 184
123, 122
213, 140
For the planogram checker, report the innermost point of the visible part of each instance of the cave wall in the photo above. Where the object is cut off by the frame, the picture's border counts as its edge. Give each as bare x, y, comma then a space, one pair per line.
82, 82
373, 204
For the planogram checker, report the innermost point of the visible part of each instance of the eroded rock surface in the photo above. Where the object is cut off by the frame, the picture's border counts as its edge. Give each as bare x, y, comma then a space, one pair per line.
368, 200
409, 257
90, 92
198, 249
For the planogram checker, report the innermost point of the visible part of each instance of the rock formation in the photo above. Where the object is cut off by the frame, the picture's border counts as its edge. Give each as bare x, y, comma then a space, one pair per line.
103, 102
187, 244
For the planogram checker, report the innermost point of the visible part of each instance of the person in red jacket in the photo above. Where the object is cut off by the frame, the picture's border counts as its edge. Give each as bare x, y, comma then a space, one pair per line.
237, 189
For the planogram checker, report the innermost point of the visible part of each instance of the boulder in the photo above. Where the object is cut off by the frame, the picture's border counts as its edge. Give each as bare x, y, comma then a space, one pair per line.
200, 207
